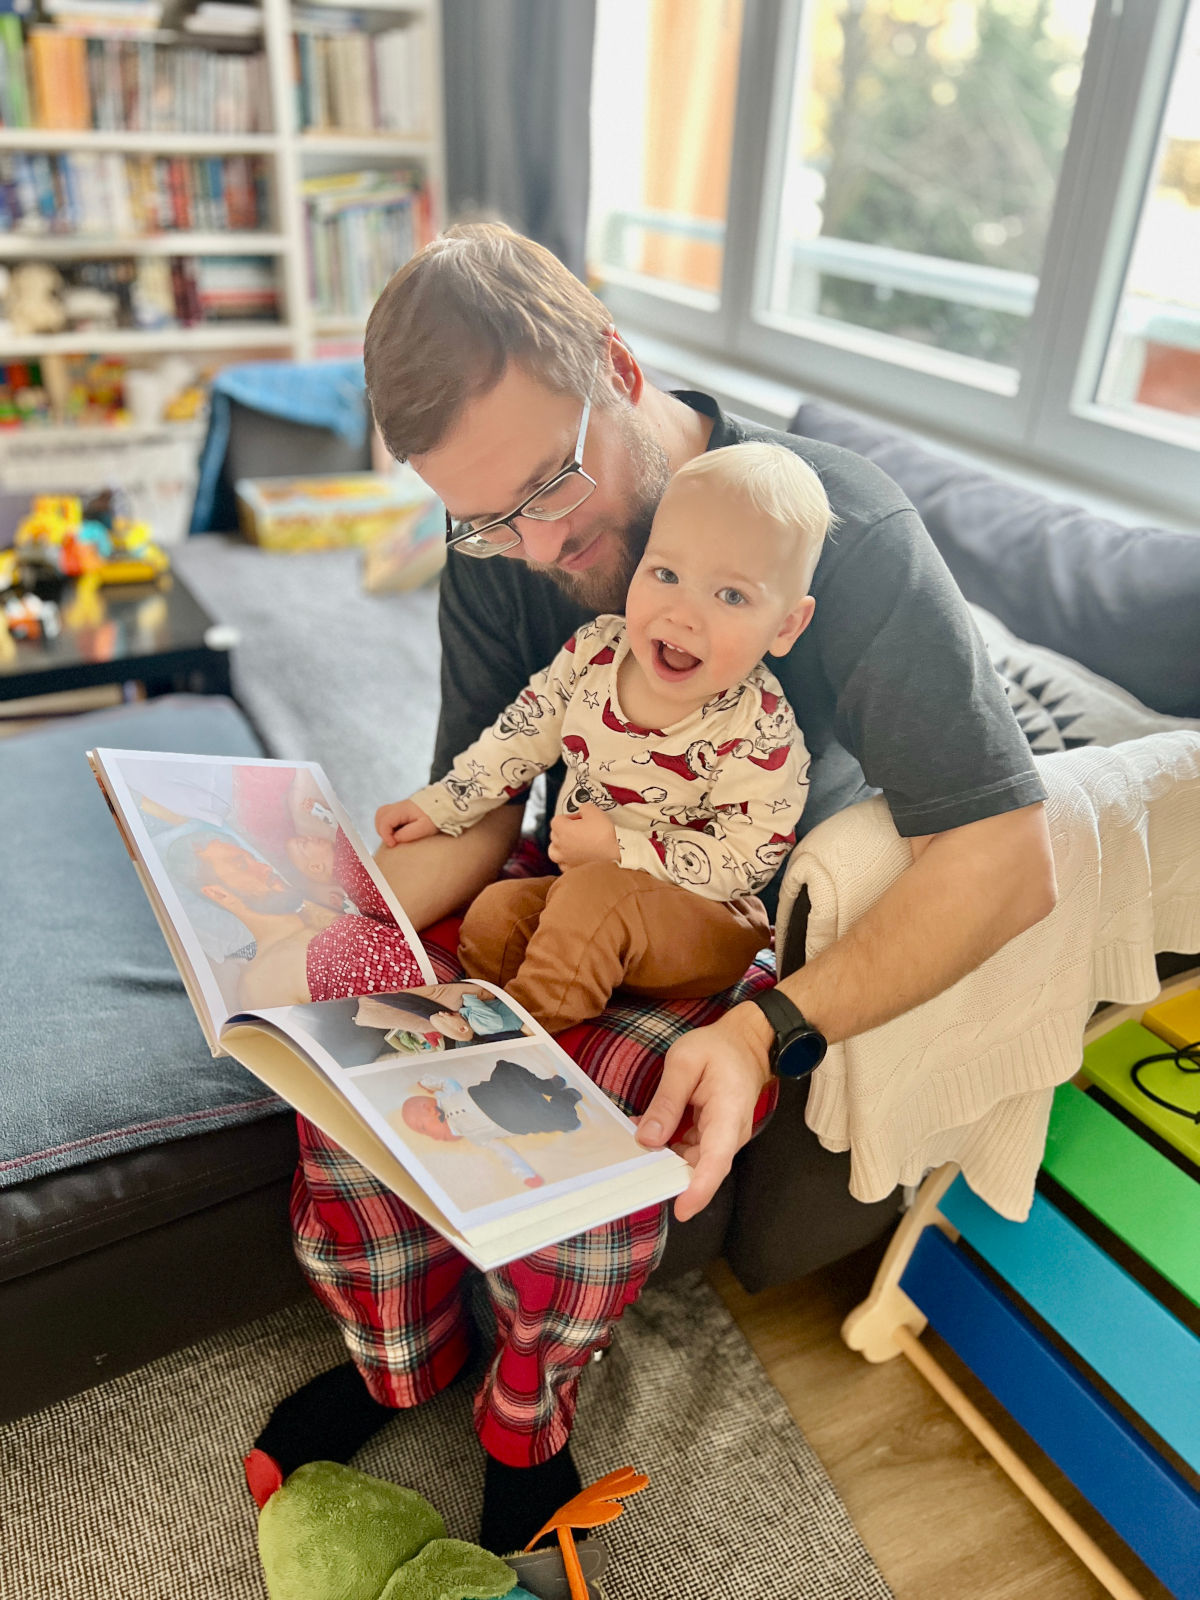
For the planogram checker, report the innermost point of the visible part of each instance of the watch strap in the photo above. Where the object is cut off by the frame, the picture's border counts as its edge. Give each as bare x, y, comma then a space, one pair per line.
784, 1015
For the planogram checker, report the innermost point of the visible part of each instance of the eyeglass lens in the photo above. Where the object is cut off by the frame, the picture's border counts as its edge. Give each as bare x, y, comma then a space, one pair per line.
557, 500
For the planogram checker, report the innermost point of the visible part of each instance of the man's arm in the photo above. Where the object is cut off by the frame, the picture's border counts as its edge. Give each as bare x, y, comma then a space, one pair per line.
433, 877
968, 892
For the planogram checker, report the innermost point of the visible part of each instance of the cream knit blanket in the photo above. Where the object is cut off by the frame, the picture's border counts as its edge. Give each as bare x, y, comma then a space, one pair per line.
969, 1076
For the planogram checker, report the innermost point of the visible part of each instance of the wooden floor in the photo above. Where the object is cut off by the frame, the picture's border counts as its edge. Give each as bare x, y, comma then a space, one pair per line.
940, 1518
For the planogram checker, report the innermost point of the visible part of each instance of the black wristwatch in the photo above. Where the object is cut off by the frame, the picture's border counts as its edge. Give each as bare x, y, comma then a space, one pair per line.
797, 1047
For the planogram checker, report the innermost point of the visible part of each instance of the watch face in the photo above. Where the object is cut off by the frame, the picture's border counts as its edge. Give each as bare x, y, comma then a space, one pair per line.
800, 1054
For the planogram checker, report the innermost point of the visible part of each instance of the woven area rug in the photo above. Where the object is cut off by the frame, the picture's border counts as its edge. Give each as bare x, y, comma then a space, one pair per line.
134, 1490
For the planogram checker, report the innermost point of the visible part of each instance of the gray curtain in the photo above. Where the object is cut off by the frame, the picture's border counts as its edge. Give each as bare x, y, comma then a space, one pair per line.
518, 98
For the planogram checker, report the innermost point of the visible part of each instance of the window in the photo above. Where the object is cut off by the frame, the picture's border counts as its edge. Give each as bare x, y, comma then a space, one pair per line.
660, 160
982, 215
922, 160
1153, 358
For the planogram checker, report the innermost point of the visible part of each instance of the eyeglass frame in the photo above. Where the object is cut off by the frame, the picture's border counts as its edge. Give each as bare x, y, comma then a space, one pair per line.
573, 470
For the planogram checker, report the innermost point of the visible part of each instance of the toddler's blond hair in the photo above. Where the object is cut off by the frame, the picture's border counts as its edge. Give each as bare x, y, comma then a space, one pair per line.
776, 483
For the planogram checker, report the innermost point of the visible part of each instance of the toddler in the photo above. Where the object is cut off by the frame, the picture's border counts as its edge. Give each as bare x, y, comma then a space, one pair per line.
686, 773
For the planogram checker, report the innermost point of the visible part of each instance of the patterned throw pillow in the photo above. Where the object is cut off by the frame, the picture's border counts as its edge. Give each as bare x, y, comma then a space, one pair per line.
1060, 704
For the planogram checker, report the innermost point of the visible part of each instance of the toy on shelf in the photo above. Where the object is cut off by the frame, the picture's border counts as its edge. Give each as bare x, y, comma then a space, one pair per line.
329, 1532
31, 301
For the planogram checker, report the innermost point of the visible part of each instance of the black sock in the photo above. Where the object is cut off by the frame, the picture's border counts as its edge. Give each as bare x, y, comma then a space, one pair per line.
517, 1501
327, 1420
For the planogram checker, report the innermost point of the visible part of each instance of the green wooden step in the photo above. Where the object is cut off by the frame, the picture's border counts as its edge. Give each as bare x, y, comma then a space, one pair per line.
1106, 1062
1149, 1203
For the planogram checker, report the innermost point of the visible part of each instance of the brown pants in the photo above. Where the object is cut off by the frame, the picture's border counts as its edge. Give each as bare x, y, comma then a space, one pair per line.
561, 946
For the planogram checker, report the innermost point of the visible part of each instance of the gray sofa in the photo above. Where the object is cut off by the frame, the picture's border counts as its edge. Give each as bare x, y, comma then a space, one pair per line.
143, 1188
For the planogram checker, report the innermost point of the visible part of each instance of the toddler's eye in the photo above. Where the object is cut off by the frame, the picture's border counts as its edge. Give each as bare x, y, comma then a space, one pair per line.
664, 575
731, 597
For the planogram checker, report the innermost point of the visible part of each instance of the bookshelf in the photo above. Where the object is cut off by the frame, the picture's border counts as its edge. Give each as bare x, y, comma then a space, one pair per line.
321, 61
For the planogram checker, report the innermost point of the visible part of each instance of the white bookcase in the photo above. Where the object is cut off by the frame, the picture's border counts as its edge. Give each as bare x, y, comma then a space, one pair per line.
290, 155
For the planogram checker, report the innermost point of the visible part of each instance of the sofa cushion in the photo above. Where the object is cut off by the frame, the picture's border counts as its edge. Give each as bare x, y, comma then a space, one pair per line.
46, 1221
326, 671
101, 1049
1121, 600
1060, 704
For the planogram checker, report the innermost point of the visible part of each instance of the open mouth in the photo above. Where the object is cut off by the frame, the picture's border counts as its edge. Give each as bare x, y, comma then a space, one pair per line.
672, 662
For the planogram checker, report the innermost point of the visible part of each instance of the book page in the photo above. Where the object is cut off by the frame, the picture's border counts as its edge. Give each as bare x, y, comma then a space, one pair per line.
474, 1100
271, 896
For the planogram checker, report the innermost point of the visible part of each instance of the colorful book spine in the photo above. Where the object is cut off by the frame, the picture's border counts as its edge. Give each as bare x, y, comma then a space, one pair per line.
104, 192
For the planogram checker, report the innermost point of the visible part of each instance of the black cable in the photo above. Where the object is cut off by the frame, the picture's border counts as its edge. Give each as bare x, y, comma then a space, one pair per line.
1186, 1059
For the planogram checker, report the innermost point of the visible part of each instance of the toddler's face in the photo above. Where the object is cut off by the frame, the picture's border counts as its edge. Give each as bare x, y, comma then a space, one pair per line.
452, 1025
714, 593
311, 856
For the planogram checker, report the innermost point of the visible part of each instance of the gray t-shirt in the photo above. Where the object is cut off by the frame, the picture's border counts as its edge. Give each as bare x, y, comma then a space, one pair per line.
890, 682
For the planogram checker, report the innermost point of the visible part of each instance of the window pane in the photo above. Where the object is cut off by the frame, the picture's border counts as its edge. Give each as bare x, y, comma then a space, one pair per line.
923, 154
1154, 355
663, 90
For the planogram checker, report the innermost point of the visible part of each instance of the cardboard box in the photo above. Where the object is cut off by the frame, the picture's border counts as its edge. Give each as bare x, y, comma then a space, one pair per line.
324, 513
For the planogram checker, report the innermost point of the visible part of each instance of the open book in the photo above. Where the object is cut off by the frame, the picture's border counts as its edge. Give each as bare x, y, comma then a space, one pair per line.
301, 964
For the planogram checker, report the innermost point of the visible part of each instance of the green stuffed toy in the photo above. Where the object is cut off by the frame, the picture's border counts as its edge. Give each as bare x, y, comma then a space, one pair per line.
330, 1532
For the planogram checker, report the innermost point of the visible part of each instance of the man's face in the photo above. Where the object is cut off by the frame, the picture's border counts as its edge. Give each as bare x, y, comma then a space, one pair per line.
238, 870
519, 434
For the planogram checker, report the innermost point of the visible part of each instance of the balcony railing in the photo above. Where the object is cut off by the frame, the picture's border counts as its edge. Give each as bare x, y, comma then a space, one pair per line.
960, 282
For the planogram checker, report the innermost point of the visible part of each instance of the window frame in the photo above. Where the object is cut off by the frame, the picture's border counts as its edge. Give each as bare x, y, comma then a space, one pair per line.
1045, 414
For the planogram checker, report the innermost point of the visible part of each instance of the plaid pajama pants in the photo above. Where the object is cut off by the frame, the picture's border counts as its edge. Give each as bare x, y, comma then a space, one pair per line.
399, 1290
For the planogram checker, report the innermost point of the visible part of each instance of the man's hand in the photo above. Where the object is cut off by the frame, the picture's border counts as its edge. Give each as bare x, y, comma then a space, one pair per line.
719, 1071
582, 836
402, 822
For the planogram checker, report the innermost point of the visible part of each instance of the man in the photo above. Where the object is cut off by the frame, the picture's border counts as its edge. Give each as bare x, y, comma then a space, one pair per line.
500, 378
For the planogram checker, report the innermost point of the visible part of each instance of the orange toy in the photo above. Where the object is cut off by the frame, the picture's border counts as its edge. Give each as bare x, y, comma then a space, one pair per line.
591, 1508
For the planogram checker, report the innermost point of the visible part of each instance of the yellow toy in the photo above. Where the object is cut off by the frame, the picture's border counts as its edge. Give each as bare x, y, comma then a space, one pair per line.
134, 558
113, 550
51, 519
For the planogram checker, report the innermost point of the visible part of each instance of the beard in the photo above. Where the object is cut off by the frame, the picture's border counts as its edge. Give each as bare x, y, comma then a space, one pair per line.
273, 902
603, 588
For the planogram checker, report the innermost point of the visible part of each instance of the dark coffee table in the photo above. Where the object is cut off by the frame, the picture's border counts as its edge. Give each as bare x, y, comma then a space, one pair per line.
155, 634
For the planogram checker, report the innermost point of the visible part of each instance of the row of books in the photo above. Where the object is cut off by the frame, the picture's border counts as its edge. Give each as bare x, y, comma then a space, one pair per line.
208, 289
361, 226
56, 79
354, 82
100, 192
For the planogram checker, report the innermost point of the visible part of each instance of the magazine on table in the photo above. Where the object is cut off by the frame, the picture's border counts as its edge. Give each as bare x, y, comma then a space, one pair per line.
301, 964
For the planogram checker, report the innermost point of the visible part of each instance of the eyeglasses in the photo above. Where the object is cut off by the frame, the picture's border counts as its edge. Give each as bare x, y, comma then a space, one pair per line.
556, 498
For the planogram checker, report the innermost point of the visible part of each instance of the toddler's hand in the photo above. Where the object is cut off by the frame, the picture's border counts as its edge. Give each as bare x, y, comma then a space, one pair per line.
585, 836
534, 1182
402, 822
